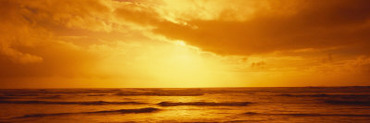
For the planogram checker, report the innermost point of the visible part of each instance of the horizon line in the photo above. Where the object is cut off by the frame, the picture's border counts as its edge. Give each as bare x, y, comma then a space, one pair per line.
191, 87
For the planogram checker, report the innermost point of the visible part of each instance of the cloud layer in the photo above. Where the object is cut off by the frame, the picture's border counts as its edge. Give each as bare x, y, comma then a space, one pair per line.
281, 26
184, 42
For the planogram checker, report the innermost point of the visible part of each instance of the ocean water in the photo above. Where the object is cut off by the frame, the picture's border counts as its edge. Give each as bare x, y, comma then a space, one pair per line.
305, 104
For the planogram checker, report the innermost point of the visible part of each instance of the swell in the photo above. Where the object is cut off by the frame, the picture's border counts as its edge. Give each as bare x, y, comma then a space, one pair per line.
68, 103
203, 104
325, 95
37, 92
30, 97
311, 114
121, 111
160, 93
347, 102
359, 100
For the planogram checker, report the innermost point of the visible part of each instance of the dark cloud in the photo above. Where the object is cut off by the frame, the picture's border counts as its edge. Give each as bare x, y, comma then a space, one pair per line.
138, 14
310, 24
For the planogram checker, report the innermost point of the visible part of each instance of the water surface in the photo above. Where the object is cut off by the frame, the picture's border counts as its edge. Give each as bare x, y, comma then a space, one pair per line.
306, 104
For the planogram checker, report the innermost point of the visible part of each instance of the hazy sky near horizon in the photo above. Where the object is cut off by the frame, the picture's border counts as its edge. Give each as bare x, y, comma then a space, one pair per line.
184, 43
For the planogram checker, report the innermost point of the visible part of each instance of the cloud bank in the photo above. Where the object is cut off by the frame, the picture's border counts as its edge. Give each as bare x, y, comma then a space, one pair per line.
131, 43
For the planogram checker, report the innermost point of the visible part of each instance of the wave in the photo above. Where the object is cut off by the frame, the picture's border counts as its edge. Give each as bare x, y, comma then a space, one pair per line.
125, 111
30, 97
5, 97
69, 103
346, 102
338, 99
324, 95
50, 97
96, 95
160, 93
203, 104
121, 111
309, 95
311, 114
47, 92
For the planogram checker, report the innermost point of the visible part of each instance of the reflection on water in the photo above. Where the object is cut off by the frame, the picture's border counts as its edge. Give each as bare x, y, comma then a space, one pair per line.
310, 104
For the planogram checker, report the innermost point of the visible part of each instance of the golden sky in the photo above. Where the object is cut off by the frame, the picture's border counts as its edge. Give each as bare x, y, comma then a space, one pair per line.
184, 43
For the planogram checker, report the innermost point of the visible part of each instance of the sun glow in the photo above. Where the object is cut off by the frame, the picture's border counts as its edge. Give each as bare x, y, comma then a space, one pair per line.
184, 66
180, 43
168, 64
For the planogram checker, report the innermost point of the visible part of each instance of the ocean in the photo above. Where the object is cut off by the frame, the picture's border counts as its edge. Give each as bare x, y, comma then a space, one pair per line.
173, 105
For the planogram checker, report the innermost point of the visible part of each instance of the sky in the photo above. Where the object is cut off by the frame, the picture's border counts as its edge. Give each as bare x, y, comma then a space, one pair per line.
184, 43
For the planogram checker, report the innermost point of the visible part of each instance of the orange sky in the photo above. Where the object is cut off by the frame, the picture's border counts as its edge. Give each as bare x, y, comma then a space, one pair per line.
184, 43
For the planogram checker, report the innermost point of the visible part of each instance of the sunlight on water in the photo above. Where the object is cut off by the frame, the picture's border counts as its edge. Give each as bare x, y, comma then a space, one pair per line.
187, 105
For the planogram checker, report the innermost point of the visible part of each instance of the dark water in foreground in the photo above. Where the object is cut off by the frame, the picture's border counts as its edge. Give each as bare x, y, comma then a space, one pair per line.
339, 104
